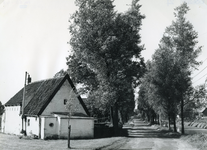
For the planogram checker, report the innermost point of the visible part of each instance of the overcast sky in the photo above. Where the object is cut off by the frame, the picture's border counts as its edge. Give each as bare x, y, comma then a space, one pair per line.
34, 36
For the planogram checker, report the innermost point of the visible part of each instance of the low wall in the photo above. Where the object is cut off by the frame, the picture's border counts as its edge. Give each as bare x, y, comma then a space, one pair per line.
81, 127
103, 131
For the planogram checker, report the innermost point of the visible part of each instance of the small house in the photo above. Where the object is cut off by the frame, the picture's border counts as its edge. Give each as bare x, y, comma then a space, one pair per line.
45, 113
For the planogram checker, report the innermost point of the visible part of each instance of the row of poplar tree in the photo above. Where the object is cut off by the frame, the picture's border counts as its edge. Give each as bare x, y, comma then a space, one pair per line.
106, 60
166, 87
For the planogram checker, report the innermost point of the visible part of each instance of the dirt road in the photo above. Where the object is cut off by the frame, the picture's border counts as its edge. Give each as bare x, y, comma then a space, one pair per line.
156, 144
145, 137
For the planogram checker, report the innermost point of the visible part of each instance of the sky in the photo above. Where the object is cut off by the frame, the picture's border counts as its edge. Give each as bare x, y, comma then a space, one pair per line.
34, 36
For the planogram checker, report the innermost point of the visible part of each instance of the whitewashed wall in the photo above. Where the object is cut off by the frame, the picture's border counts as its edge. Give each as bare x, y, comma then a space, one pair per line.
57, 103
81, 127
49, 127
11, 121
32, 126
42, 135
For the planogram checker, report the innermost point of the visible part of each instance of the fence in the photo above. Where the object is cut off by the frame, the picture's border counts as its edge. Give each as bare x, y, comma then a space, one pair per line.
102, 120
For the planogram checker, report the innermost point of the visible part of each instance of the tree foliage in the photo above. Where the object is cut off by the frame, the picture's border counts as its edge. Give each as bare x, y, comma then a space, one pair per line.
1, 108
147, 95
106, 51
172, 65
181, 38
60, 73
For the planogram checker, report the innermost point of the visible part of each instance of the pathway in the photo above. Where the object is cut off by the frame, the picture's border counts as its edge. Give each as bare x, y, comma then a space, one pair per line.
144, 137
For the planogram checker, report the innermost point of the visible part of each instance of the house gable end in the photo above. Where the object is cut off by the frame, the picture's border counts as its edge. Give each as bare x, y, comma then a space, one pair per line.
70, 83
39, 103
58, 104
51, 96
79, 98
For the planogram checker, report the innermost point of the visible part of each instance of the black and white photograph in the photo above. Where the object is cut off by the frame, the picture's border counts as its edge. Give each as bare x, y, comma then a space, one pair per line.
103, 74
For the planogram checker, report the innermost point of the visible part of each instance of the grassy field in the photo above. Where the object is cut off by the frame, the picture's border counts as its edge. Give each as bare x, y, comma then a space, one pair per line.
12, 142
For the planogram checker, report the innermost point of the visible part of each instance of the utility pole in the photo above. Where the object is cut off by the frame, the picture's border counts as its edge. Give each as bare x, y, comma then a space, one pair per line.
28, 80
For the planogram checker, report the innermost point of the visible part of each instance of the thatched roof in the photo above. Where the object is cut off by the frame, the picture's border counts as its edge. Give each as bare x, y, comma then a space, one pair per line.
39, 94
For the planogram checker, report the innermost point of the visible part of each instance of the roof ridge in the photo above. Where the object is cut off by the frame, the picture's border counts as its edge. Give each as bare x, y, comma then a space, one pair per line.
40, 93
43, 80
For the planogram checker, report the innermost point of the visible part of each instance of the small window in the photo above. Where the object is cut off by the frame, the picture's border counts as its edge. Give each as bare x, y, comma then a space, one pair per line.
51, 124
28, 122
65, 101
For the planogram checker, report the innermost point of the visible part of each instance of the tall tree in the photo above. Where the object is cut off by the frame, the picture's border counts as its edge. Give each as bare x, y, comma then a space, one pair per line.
178, 52
166, 78
106, 52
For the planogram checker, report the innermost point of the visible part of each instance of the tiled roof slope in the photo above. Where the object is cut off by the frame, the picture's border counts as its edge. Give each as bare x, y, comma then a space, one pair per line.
39, 94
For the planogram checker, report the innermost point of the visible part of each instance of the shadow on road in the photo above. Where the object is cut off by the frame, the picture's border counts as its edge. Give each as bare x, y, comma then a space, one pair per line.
141, 129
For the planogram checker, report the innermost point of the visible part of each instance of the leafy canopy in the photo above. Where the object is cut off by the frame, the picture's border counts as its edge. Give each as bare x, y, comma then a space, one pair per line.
106, 51
172, 65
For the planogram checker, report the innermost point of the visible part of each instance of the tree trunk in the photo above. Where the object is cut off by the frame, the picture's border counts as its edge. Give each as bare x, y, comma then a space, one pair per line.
153, 119
160, 119
182, 117
120, 117
148, 117
115, 119
169, 122
112, 115
174, 123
